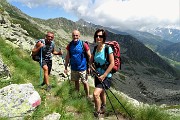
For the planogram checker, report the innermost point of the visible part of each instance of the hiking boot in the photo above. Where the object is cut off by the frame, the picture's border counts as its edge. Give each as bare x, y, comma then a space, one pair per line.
97, 114
48, 88
103, 109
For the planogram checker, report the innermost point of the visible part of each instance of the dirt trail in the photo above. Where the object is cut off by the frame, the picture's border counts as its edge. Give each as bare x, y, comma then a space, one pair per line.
113, 117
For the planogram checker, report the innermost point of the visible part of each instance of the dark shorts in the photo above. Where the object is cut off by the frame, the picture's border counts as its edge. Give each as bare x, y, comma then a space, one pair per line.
48, 63
105, 84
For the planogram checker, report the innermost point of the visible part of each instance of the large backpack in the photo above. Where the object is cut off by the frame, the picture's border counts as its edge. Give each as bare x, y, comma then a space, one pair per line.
36, 57
116, 52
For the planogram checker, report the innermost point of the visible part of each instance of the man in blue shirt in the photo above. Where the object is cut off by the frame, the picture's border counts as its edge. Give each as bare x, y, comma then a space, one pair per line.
78, 61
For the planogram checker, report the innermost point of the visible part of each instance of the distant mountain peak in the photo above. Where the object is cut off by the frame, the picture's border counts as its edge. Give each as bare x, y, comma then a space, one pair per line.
168, 33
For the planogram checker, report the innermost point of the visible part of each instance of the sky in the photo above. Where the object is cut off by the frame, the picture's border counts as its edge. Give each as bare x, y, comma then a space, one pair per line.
118, 14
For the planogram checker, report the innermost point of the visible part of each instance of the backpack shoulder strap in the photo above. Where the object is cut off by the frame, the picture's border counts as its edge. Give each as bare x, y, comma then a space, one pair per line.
70, 43
52, 43
95, 47
106, 52
82, 43
94, 50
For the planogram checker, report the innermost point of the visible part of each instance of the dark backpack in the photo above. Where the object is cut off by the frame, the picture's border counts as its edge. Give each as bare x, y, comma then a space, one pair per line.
36, 57
116, 52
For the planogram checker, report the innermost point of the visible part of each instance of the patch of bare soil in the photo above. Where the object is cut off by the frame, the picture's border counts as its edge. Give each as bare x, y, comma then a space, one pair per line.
112, 117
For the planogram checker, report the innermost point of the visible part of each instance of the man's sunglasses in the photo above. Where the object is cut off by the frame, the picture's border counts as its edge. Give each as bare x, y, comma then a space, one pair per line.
100, 36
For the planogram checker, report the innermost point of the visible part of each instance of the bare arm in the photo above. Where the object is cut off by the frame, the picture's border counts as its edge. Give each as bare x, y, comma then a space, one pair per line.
37, 47
89, 57
67, 60
57, 53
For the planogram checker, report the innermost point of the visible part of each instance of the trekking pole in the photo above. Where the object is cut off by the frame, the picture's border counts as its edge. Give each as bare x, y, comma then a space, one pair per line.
62, 57
119, 102
97, 74
103, 84
41, 67
64, 65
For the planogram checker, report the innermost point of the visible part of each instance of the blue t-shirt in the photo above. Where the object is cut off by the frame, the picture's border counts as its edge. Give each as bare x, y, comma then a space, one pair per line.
100, 58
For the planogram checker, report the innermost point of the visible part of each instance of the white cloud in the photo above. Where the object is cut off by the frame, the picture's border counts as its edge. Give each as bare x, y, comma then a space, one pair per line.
125, 14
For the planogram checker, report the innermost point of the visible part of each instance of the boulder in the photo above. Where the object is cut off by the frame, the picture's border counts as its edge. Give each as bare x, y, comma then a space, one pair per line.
18, 100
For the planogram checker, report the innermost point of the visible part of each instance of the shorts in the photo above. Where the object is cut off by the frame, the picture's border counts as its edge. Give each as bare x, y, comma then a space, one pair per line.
105, 84
79, 75
48, 63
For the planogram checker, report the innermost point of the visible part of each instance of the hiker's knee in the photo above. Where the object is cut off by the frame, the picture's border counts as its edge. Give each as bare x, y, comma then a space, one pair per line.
86, 84
96, 94
45, 68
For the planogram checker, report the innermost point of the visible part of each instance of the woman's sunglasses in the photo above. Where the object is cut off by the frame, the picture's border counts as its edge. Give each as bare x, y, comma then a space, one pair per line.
100, 36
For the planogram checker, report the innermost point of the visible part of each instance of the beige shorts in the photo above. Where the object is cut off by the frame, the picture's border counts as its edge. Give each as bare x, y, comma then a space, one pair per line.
79, 75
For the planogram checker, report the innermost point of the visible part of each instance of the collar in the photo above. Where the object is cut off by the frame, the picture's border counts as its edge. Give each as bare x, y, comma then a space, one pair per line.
76, 42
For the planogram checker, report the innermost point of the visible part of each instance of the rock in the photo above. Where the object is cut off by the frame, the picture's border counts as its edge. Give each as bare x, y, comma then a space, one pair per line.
4, 70
54, 116
18, 100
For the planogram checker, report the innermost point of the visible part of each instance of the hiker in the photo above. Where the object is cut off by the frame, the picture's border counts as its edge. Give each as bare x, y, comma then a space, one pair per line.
47, 46
78, 62
103, 81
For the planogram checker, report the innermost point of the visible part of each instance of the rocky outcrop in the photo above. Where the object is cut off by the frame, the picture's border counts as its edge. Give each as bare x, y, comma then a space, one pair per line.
4, 70
18, 37
14, 34
18, 100
58, 68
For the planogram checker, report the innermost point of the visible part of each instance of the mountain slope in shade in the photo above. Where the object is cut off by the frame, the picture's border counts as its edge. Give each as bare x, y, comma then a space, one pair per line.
172, 51
152, 41
146, 77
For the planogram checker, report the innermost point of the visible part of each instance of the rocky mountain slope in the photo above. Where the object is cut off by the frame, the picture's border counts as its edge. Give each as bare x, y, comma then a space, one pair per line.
156, 42
147, 77
152, 41
144, 75
171, 51
170, 34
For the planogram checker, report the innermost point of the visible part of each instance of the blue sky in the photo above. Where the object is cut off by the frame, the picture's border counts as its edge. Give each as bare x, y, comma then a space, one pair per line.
44, 12
119, 14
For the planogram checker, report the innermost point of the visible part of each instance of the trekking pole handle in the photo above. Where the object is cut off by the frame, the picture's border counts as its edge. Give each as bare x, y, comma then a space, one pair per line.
94, 71
60, 50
